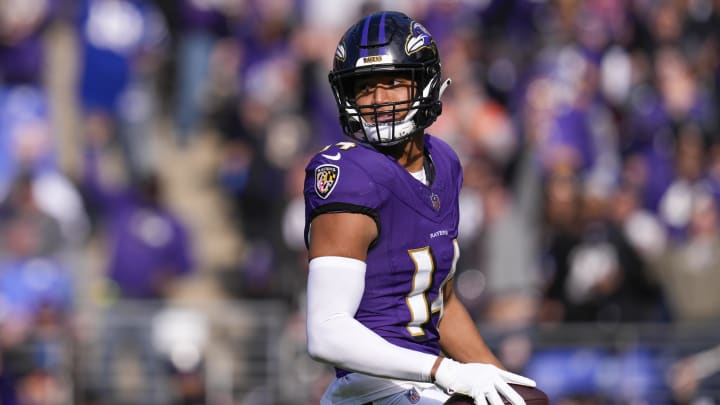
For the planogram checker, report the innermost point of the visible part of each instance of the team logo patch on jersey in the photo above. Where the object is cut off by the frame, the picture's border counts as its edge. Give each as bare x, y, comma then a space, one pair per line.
435, 200
413, 396
326, 177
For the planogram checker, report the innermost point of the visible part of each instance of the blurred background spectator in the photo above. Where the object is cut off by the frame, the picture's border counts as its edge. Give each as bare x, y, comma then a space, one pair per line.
147, 248
152, 152
121, 46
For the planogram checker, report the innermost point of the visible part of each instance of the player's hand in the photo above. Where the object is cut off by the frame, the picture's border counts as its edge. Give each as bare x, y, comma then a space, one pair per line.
483, 382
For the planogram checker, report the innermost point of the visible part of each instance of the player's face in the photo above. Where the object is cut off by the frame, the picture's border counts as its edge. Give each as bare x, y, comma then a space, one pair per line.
383, 89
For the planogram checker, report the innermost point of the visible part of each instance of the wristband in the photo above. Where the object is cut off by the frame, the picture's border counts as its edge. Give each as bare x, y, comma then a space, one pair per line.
435, 367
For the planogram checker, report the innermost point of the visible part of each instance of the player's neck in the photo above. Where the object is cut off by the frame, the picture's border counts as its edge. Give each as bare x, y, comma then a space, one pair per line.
413, 157
410, 154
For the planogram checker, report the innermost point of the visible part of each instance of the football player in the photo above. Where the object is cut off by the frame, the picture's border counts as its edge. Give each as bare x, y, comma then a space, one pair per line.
381, 229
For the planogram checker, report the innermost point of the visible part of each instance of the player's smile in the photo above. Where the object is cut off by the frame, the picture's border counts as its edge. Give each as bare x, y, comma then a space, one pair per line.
384, 117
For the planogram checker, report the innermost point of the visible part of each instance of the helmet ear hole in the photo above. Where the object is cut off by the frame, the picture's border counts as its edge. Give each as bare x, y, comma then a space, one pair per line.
436, 110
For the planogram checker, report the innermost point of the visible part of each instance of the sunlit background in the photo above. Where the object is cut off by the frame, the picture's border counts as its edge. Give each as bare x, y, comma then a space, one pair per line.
151, 213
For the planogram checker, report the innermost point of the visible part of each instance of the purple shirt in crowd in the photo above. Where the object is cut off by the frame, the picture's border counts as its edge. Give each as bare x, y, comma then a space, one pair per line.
415, 252
146, 241
195, 16
21, 60
21, 63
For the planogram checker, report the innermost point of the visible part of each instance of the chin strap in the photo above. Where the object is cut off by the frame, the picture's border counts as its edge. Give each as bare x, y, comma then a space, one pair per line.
444, 87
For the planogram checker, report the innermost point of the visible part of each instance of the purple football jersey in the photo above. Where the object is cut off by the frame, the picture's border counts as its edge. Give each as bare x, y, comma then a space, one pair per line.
415, 252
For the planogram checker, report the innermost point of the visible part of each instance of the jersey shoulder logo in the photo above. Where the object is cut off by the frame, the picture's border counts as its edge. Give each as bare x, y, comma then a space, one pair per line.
326, 177
336, 156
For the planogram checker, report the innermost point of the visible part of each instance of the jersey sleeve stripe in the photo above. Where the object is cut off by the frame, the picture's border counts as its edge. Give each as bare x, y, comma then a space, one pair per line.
342, 207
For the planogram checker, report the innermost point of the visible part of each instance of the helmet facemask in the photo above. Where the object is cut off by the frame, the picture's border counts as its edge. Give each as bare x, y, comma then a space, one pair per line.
386, 124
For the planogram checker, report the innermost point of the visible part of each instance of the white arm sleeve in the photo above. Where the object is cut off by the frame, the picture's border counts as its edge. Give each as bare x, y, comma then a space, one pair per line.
335, 289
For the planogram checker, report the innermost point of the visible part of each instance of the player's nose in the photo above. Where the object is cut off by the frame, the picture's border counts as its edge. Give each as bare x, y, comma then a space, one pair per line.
382, 94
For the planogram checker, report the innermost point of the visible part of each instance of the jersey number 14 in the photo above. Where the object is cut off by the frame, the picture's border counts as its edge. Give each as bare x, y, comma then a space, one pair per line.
417, 300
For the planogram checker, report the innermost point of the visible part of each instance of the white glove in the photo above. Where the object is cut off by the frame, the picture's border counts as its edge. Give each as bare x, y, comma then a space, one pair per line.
483, 382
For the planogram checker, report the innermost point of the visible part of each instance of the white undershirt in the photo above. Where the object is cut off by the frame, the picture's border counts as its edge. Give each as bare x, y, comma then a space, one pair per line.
420, 176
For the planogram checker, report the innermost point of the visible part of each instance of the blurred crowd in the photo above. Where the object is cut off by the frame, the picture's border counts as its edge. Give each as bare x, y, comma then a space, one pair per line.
589, 132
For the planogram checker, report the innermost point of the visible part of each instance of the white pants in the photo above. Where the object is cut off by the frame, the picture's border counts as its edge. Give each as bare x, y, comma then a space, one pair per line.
360, 389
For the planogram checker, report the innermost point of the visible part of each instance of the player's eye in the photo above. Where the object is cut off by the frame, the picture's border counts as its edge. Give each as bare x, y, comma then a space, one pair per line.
362, 87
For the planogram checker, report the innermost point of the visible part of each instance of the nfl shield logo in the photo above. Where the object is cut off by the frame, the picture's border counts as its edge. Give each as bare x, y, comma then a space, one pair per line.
435, 201
413, 396
326, 177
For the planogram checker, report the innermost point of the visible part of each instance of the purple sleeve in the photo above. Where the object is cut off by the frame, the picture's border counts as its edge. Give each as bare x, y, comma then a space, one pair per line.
339, 186
338, 183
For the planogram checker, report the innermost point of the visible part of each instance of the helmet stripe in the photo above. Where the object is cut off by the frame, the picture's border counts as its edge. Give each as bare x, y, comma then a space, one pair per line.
364, 39
382, 33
